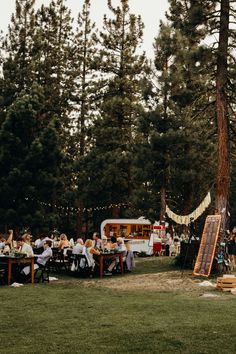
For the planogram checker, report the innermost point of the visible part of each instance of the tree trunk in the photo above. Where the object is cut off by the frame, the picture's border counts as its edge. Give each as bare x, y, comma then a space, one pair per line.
115, 212
79, 223
223, 171
163, 203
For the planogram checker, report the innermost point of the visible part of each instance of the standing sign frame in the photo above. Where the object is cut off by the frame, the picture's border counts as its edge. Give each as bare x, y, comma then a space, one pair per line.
207, 248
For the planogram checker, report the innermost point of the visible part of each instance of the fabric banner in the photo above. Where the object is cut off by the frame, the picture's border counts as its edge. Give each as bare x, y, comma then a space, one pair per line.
186, 219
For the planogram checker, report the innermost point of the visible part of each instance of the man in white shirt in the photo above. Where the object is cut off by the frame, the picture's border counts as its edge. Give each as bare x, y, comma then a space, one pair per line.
46, 255
21, 272
97, 242
38, 241
41, 241
78, 248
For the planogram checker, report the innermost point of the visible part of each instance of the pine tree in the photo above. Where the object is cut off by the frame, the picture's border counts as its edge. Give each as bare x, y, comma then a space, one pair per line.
17, 67
38, 59
29, 159
53, 58
86, 62
213, 18
84, 97
192, 97
111, 155
223, 171
183, 113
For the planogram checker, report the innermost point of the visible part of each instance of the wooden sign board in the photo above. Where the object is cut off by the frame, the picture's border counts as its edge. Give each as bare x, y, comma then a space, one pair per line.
207, 247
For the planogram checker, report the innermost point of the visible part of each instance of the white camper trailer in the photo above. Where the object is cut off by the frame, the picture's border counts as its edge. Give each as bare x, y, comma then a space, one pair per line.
140, 232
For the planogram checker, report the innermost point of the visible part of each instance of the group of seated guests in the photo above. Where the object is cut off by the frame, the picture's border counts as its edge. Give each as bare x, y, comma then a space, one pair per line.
59, 242
91, 247
41, 248
23, 245
94, 246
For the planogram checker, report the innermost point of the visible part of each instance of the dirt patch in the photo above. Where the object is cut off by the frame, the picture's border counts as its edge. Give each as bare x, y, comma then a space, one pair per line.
159, 281
166, 281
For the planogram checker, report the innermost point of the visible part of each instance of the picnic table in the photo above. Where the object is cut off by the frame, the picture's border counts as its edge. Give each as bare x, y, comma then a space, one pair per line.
10, 260
100, 259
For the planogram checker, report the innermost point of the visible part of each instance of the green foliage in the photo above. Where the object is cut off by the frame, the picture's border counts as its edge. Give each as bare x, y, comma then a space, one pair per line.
107, 165
29, 160
172, 130
86, 122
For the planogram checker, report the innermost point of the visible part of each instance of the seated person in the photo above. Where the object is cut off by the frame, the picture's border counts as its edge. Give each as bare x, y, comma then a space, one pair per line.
71, 242
120, 246
97, 242
6, 241
40, 261
63, 243
42, 258
38, 242
79, 246
24, 247
41, 240
21, 271
89, 251
113, 243
105, 244
5, 248
27, 238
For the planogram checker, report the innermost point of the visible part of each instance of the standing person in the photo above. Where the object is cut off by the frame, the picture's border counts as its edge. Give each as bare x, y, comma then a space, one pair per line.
170, 248
231, 249
130, 261
168, 242
97, 242
234, 250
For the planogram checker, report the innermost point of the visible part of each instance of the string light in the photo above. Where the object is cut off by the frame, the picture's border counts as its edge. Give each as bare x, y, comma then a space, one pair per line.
76, 210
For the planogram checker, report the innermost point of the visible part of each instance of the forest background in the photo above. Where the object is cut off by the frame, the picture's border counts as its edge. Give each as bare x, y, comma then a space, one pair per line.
90, 128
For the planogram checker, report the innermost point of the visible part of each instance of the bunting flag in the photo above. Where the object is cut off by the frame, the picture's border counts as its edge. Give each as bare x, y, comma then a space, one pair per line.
186, 219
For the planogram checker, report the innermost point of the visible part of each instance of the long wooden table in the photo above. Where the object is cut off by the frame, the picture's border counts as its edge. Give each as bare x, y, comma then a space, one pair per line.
10, 260
103, 256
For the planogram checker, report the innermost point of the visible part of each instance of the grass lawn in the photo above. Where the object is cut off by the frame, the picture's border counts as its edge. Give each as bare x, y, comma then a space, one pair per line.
91, 316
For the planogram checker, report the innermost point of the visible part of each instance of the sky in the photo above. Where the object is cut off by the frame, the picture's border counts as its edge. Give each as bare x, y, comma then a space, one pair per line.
151, 11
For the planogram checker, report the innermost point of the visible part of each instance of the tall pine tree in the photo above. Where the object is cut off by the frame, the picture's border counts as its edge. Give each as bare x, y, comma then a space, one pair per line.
110, 159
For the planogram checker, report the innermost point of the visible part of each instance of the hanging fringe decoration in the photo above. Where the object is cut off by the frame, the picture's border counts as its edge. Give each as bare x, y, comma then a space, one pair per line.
186, 219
